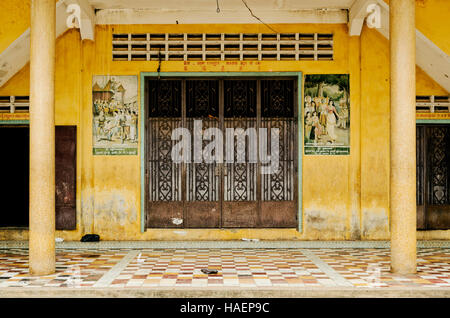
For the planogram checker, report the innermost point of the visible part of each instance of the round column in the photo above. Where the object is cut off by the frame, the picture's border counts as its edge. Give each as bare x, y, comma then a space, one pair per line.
42, 138
403, 136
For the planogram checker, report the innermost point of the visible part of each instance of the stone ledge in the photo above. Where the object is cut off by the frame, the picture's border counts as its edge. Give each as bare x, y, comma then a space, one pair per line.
202, 292
226, 244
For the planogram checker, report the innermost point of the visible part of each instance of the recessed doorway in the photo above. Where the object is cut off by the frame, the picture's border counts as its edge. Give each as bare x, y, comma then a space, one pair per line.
14, 160
220, 195
14, 182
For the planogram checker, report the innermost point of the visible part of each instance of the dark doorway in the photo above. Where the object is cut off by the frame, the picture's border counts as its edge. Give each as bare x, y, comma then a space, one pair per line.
14, 182
220, 195
433, 177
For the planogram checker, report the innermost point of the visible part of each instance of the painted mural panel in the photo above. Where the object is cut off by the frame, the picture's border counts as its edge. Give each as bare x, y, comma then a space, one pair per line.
115, 115
327, 114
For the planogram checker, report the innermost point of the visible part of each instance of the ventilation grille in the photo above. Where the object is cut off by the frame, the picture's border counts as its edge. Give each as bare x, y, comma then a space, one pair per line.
220, 47
433, 104
14, 104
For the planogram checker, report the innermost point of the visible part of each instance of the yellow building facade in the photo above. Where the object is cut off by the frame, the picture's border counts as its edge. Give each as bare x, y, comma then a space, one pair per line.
342, 197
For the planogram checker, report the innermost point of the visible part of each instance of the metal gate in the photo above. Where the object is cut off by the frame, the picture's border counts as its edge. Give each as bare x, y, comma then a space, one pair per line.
433, 177
229, 194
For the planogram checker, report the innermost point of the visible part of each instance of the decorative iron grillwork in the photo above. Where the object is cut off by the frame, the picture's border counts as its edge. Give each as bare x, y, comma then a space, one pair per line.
420, 164
280, 186
439, 144
202, 98
277, 98
243, 104
240, 178
164, 98
240, 98
165, 175
202, 181
164, 110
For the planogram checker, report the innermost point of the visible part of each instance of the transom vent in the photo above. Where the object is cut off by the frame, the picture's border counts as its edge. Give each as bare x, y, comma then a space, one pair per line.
433, 104
14, 104
223, 46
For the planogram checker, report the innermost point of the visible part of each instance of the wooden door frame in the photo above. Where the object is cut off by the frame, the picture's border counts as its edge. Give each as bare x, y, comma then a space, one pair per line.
143, 126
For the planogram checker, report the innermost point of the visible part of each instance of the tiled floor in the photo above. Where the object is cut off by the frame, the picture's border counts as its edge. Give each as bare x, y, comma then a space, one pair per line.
254, 268
370, 267
74, 268
245, 268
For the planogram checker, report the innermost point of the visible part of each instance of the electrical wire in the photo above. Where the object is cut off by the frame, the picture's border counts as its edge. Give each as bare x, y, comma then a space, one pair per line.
253, 15
159, 64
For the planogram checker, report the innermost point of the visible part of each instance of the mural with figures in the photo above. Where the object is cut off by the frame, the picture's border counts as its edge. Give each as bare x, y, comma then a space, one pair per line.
115, 115
327, 114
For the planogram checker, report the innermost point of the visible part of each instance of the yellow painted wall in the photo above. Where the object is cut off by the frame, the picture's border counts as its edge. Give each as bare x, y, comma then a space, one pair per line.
344, 197
15, 19
116, 179
374, 135
432, 20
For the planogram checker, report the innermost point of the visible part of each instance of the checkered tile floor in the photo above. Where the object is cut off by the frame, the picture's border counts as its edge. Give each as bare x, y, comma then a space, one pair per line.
146, 268
370, 267
74, 268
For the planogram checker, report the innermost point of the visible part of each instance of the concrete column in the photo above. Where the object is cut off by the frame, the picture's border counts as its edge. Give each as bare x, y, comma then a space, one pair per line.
42, 138
403, 136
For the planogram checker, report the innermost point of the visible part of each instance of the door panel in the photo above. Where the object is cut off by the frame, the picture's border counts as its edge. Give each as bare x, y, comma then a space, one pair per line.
204, 214
65, 177
278, 214
164, 203
438, 217
240, 214
420, 177
279, 189
438, 171
203, 186
165, 214
240, 177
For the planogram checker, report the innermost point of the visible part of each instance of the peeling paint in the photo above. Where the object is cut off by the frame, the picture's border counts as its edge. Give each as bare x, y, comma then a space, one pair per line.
115, 210
355, 226
314, 218
324, 225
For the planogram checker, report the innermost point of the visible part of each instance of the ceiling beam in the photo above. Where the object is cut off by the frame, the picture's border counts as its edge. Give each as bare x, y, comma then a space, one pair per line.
243, 16
211, 5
